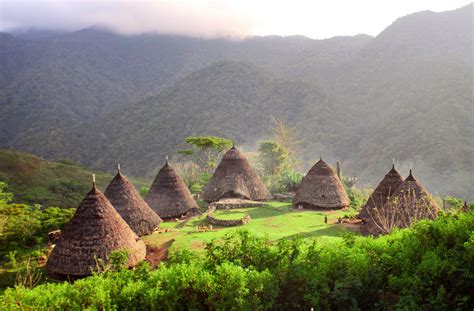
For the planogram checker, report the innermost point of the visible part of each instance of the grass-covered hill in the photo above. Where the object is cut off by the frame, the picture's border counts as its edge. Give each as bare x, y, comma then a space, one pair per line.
100, 98
37, 181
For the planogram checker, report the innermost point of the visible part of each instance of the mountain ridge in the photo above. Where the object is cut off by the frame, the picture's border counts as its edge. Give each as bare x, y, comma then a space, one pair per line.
405, 93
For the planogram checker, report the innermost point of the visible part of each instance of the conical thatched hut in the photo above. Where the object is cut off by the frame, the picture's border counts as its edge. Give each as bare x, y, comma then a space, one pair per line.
321, 189
129, 204
235, 178
412, 188
382, 192
94, 231
410, 202
168, 195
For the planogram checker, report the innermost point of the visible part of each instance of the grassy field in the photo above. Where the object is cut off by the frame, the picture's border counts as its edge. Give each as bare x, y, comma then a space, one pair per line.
275, 221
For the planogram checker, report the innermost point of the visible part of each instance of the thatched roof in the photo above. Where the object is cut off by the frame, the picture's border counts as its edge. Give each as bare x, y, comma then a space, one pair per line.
408, 203
235, 178
321, 189
94, 231
168, 195
412, 187
382, 192
129, 204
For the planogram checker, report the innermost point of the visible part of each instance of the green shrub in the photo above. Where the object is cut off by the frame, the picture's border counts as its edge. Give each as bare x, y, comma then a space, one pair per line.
426, 267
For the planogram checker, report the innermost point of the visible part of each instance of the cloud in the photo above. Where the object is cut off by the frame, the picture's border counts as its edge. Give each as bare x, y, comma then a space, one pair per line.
217, 18
195, 18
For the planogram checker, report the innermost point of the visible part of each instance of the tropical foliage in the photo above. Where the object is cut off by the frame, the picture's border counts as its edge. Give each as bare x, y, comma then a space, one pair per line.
425, 267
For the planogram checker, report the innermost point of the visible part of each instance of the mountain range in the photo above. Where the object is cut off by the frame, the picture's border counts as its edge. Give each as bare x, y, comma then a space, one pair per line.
101, 98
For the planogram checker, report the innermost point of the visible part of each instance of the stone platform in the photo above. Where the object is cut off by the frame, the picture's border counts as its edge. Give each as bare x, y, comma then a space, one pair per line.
235, 203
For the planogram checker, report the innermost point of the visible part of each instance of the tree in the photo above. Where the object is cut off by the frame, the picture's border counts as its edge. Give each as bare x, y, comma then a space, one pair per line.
207, 150
287, 137
5, 197
273, 157
189, 172
348, 181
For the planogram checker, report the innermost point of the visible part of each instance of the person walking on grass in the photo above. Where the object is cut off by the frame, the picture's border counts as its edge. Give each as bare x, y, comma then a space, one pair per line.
326, 219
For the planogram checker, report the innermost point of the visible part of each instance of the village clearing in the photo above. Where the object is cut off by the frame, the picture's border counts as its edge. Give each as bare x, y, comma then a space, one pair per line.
276, 221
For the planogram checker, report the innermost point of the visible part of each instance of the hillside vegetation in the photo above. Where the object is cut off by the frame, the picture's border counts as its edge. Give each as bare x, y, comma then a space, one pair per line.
37, 181
99, 98
426, 267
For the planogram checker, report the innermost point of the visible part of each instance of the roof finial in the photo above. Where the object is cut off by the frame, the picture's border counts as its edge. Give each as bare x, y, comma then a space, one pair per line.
233, 144
166, 159
320, 158
393, 162
466, 207
118, 168
93, 181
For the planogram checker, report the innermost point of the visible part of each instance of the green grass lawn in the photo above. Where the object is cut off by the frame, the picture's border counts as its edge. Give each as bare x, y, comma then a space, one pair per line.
275, 221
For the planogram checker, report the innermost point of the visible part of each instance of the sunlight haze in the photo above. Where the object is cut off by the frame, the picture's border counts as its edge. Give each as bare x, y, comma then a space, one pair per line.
227, 18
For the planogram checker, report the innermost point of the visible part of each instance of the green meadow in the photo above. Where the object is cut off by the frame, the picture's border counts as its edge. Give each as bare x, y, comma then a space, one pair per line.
275, 221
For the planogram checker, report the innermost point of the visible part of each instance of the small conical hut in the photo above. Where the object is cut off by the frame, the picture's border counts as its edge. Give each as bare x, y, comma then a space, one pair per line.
321, 189
130, 205
168, 195
382, 192
95, 230
235, 178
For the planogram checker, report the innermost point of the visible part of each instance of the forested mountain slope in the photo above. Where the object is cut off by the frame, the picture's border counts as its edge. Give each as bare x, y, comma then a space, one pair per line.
99, 98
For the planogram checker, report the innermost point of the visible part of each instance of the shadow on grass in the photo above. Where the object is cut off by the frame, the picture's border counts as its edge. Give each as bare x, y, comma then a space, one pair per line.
332, 231
254, 212
262, 212
195, 221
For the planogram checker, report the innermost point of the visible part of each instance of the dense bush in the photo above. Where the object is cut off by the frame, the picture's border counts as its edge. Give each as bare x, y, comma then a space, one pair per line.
427, 267
23, 237
28, 225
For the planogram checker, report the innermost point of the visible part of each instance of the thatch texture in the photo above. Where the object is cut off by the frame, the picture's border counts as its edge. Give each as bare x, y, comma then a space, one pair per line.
385, 189
94, 231
321, 189
409, 203
129, 204
168, 195
235, 178
413, 188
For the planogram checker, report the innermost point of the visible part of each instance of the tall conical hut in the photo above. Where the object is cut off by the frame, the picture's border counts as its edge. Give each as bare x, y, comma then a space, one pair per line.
129, 204
321, 189
168, 195
384, 190
95, 230
410, 202
412, 188
235, 178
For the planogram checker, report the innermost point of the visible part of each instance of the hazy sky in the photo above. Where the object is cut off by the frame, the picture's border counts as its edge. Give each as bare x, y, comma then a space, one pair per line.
315, 19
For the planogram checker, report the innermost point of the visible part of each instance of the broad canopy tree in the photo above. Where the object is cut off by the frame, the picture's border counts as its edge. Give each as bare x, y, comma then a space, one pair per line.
207, 150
